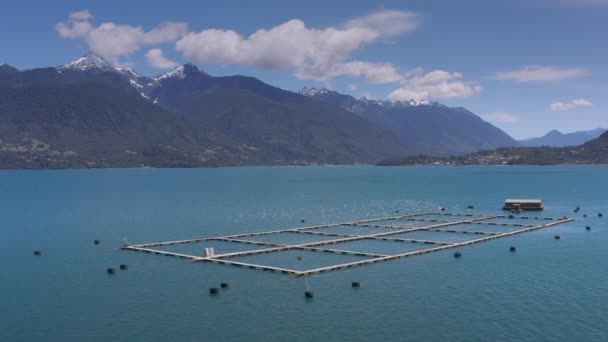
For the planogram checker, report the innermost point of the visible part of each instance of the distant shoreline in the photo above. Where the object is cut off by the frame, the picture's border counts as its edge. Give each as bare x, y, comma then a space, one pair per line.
4, 169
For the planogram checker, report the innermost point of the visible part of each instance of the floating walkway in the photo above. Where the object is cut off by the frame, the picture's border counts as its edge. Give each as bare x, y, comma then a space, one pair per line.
381, 233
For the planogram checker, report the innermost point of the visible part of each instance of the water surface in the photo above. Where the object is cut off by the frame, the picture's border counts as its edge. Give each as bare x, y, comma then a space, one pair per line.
548, 290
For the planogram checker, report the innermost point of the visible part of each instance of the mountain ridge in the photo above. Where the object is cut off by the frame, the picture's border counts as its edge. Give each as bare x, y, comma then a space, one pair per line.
594, 151
427, 127
90, 114
556, 138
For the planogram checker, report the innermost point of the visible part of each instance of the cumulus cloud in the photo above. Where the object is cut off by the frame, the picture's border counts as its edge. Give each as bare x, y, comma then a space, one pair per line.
166, 33
387, 22
310, 53
77, 25
81, 15
501, 118
115, 40
437, 84
156, 59
374, 73
541, 73
561, 106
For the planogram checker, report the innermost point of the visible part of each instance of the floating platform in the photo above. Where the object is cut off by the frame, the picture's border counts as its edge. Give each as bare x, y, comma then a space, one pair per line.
523, 204
332, 238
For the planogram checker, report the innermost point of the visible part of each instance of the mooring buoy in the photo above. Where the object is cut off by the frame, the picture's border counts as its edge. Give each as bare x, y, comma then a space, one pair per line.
110, 270
37, 252
457, 254
96, 242
308, 294
214, 290
302, 220
223, 285
512, 248
123, 267
557, 237
588, 227
355, 284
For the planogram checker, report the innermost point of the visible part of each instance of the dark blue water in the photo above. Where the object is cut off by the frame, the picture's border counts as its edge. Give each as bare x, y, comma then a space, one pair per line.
549, 290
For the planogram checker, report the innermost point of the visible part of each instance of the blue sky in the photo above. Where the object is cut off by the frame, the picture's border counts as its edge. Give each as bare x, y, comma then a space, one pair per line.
526, 66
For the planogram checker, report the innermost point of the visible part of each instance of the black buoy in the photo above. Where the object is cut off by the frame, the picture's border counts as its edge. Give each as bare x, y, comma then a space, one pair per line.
396, 211
96, 242
588, 228
110, 270
224, 285
356, 284
511, 216
308, 294
512, 248
123, 266
471, 206
302, 220
584, 215
442, 209
37, 252
214, 290
557, 237
457, 254
600, 215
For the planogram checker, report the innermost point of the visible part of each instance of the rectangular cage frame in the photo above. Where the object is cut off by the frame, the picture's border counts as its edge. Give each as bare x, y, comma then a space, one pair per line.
434, 225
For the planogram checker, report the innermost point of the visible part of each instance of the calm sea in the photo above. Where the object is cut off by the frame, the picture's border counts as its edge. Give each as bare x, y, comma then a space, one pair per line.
548, 290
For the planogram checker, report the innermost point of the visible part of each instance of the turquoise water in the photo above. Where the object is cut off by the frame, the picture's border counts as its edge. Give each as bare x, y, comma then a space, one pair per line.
548, 290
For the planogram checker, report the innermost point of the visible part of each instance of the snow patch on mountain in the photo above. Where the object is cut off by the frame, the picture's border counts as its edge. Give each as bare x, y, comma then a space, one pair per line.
312, 92
90, 61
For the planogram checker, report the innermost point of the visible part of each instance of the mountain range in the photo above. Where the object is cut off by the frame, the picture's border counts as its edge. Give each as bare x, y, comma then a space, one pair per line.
425, 127
556, 138
594, 151
89, 113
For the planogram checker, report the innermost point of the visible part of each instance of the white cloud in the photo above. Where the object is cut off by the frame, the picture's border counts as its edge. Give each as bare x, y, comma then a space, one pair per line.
81, 15
374, 73
541, 73
156, 59
501, 118
77, 25
310, 53
437, 84
112, 40
387, 22
561, 106
166, 33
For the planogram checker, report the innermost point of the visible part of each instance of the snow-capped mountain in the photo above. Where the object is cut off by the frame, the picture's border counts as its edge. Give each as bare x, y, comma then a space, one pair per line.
363, 101
90, 61
430, 127
180, 72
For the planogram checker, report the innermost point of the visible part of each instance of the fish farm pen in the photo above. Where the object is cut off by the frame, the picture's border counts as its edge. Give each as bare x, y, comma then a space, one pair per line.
363, 242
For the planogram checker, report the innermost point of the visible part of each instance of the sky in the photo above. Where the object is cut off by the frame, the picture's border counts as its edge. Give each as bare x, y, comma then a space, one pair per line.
526, 66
